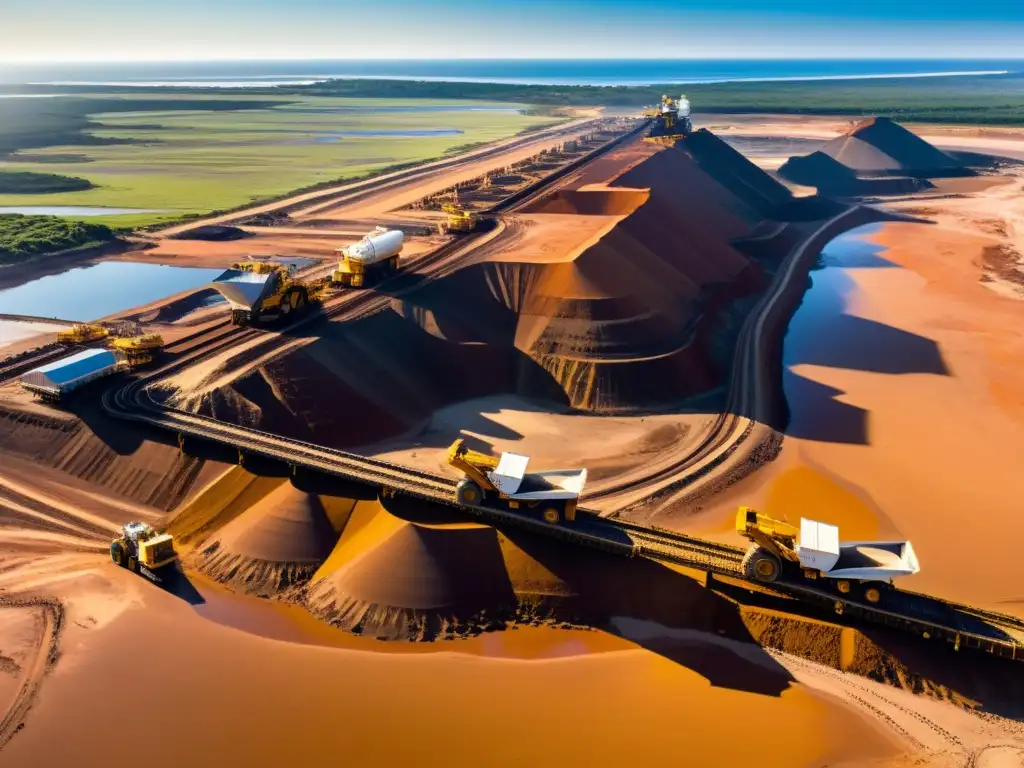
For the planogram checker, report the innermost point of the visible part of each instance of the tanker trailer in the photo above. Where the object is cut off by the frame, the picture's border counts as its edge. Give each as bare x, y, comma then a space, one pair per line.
373, 257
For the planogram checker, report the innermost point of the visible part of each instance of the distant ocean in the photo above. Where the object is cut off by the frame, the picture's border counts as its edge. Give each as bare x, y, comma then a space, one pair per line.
240, 74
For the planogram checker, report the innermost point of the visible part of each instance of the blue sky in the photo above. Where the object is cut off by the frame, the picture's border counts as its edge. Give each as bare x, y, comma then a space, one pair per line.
77, 30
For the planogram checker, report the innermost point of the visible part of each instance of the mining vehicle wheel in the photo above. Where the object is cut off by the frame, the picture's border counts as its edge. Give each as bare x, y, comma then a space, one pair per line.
873, 593
467, 492
761, 565
551, 515
117, 553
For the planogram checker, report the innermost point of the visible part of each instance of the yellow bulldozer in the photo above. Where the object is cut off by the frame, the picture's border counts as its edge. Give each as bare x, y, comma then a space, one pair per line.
138, 350
459, 219
82, 334
141, 549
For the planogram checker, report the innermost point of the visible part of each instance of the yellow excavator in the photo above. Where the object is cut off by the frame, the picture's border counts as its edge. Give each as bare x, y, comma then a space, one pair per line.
141, 549
138, 350
82, 334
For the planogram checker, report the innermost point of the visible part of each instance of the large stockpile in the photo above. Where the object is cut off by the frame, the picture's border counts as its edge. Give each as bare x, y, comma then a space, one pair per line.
276, 544
877, 156
616, 297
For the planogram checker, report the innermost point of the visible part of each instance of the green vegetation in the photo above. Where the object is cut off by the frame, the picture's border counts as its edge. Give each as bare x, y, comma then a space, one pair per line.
28, 183
186, 162
65, 120
966, 99
25, 237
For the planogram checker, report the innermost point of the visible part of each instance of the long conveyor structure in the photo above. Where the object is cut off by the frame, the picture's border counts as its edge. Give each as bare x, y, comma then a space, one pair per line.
928, 617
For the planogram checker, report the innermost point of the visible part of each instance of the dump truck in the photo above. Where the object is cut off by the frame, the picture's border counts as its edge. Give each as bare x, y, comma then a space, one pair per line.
459, 219
82, 334
780, 552
503, 483
260, 291
138, 350
141, 549
373, 257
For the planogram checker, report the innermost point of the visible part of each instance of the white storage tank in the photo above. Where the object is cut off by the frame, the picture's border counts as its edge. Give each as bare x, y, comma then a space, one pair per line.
54, 380
377, 246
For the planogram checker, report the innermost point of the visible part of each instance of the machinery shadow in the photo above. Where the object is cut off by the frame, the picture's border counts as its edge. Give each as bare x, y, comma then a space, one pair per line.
177, 583
661, 610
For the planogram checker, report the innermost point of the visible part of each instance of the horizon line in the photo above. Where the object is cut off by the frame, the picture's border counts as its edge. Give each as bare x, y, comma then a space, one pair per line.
204, 60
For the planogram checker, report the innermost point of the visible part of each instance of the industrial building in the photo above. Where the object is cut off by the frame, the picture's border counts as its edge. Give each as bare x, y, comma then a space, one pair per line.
55, 380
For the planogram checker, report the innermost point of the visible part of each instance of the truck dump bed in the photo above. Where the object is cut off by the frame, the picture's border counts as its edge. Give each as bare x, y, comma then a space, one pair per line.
821, 549
245, 290
512, 479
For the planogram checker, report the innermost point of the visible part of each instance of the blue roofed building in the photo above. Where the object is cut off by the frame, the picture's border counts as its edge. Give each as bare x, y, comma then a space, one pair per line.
54, 380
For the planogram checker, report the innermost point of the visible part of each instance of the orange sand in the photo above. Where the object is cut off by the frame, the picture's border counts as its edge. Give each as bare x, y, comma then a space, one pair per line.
943, 457
265, 702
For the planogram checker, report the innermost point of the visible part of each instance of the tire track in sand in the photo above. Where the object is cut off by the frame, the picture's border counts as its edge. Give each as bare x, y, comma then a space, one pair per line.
43, 659
920, 731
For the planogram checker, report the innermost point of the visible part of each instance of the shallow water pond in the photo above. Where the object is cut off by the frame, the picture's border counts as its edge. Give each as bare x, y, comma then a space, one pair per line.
97, 290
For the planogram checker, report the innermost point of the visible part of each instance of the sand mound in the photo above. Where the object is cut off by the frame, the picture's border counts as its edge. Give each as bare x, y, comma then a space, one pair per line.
278, 543
882, 147
211, 232
833, 178
396, 579
113, 456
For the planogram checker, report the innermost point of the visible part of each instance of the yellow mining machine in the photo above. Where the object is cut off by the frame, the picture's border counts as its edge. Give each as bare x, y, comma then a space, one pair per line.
141, 549
782, 552
139, 350
265, 290
82, 334
459, 219
504, 484
671, 120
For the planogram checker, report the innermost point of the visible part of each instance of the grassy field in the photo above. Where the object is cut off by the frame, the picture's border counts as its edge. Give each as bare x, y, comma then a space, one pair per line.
187, 162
